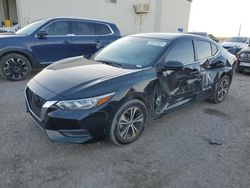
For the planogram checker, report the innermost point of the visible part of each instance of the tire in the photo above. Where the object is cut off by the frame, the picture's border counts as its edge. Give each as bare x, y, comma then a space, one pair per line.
123, 129
15, 67
221, 90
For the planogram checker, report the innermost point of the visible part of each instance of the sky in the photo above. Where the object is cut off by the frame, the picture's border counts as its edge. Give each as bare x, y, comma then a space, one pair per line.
220, 17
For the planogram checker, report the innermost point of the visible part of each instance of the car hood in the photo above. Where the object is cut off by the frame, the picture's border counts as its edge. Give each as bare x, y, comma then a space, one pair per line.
246, 49
72, 76
233, 44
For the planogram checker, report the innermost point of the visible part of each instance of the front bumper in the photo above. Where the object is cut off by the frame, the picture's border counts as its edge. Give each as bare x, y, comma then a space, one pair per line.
68, 125
69, 136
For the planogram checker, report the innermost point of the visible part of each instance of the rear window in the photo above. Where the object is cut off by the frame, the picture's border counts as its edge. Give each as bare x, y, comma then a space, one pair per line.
102, 29
88, 28
203, 49
83, 28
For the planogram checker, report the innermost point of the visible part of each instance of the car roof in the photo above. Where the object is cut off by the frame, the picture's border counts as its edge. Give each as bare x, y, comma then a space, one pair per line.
204, 34
168, 36
79, 18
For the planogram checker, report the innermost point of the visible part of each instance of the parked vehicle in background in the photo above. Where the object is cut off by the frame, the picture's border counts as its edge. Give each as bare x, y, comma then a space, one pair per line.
243, 60
140, 77
12, 29
204, 34
46, 41
235, 44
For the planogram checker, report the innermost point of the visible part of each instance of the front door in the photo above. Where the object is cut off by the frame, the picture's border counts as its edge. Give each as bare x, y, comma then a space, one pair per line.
180, 86
56, 45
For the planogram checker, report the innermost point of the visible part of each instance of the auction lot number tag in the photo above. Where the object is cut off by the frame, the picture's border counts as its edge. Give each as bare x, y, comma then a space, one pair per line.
157, 43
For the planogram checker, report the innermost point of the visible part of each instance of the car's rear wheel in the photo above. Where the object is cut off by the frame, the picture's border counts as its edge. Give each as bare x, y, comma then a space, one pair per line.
15, 67
128, 123
221, 90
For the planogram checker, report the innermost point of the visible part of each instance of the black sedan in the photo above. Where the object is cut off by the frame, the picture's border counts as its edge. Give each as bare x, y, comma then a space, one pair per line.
133, 80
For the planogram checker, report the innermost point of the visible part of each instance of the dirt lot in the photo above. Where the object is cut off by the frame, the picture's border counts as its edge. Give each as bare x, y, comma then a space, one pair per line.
172, 152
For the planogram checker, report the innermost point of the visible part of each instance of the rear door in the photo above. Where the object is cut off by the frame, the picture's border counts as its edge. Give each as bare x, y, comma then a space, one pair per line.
56, 45
181, 86
104, 34
206, 56
84, 38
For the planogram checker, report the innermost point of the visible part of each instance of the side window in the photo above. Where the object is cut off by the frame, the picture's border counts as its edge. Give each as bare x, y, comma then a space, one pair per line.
83, 28
203, 49
58, 28
214, 49
102, 29
183, 52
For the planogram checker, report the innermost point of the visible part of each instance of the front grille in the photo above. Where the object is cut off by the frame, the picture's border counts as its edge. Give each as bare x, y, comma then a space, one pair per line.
35, 102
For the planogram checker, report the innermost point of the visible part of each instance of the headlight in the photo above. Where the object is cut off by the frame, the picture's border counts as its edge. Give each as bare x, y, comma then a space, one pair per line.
83, 104
243, 55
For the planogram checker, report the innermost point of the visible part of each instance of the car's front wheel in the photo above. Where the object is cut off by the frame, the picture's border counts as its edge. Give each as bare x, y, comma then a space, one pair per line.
221, 89
14, 67
128, 122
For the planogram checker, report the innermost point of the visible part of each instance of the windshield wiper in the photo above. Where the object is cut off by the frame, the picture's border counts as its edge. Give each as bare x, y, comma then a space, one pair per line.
110, 63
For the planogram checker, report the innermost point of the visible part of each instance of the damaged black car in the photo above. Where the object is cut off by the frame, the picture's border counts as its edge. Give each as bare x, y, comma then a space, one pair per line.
132, 81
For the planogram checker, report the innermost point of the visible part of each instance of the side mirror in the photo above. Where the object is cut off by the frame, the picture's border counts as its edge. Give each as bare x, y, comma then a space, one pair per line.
172, 65
41, 34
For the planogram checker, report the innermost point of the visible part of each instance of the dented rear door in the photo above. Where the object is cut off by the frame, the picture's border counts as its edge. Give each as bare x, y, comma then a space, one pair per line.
206, 56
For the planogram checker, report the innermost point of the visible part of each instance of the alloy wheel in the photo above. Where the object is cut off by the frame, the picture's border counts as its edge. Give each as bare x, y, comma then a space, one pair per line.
223, 89
15, 68
131, 123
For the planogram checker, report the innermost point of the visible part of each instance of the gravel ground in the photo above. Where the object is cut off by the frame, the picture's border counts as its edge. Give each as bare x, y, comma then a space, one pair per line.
172, 152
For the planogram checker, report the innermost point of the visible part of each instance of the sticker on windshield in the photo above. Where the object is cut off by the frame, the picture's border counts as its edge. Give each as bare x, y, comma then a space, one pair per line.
157, 43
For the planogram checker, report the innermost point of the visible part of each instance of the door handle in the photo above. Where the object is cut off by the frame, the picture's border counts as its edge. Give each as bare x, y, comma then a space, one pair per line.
97, 41
66, 42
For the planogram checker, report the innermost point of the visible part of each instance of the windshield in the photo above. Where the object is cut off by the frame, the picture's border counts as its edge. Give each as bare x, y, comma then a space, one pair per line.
29, 29
237, 39
133, 52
